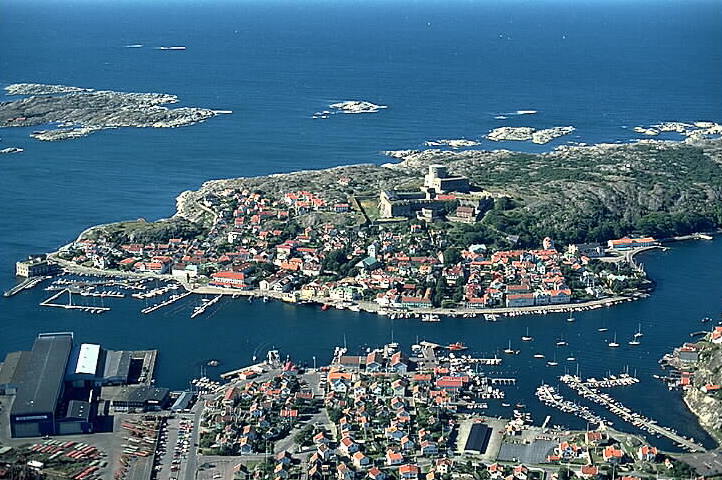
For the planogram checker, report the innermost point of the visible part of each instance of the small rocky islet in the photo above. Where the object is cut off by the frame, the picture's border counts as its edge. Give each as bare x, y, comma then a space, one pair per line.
76, 112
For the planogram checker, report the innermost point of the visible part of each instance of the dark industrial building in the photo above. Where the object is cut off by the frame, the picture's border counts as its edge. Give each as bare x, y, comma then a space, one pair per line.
478, 439
57, 385
33, 411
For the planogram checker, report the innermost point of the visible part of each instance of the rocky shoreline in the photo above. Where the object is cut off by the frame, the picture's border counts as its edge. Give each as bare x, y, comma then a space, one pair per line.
707, 408
76, 112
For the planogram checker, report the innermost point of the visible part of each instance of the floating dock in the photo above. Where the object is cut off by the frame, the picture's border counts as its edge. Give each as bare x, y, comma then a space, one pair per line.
84, 308
199, 310
172, 299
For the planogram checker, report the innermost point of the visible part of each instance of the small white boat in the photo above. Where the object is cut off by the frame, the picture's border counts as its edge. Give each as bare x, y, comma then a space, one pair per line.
613, 344
527, 337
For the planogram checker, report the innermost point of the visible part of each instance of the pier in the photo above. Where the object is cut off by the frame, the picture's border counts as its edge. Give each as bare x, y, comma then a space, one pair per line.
172, 299
199, 310
626, 414
26, 284
622, 380
48, 302
157, 291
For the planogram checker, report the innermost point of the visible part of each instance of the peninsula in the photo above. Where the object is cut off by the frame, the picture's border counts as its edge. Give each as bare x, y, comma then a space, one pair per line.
449, 232
75, 112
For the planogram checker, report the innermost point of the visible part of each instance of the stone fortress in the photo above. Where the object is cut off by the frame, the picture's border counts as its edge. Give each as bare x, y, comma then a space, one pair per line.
439, 191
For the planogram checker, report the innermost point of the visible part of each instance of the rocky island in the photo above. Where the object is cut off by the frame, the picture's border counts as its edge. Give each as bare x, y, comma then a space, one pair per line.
696, 130
522, 134
357, 106
76, 112
458, 143
430, 232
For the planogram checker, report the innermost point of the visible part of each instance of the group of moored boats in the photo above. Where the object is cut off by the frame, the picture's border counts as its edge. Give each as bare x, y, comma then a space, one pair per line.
551, 398
617, 408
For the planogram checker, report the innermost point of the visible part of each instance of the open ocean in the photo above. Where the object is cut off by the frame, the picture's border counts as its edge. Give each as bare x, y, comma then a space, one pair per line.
445, 69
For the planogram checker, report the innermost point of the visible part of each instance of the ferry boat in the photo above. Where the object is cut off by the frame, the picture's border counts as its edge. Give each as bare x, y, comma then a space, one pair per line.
457, 347
613, 344
527, 338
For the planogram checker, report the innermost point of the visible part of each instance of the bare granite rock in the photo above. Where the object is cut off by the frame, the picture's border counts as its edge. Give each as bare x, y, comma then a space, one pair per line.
81, 111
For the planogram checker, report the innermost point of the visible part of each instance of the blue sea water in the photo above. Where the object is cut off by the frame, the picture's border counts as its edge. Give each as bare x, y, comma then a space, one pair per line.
445, 69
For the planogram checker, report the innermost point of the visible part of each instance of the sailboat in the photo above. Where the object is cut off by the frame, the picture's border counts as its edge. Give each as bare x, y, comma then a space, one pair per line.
635, 338
561, 342
571, 317
613, 344
538, 355
508, 350
527, 338
603, 329
553, 363
639, 332
571, 358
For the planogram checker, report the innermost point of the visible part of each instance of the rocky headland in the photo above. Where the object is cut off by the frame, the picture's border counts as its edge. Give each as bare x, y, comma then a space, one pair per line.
707, 405
76, 112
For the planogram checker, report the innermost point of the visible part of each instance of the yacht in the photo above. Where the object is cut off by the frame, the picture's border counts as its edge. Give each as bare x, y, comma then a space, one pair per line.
613, 344
527, 338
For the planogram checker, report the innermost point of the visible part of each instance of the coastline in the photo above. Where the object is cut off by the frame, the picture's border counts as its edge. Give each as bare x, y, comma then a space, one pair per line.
365, 306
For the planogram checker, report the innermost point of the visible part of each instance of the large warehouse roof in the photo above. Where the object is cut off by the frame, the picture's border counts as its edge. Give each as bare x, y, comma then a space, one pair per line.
88, 358
117, 364
42, 380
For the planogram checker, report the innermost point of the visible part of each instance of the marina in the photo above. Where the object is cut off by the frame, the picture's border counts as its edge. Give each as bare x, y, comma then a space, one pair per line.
618, 409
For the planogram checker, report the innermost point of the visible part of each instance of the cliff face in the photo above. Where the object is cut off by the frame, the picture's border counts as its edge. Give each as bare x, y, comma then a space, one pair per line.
707, 407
